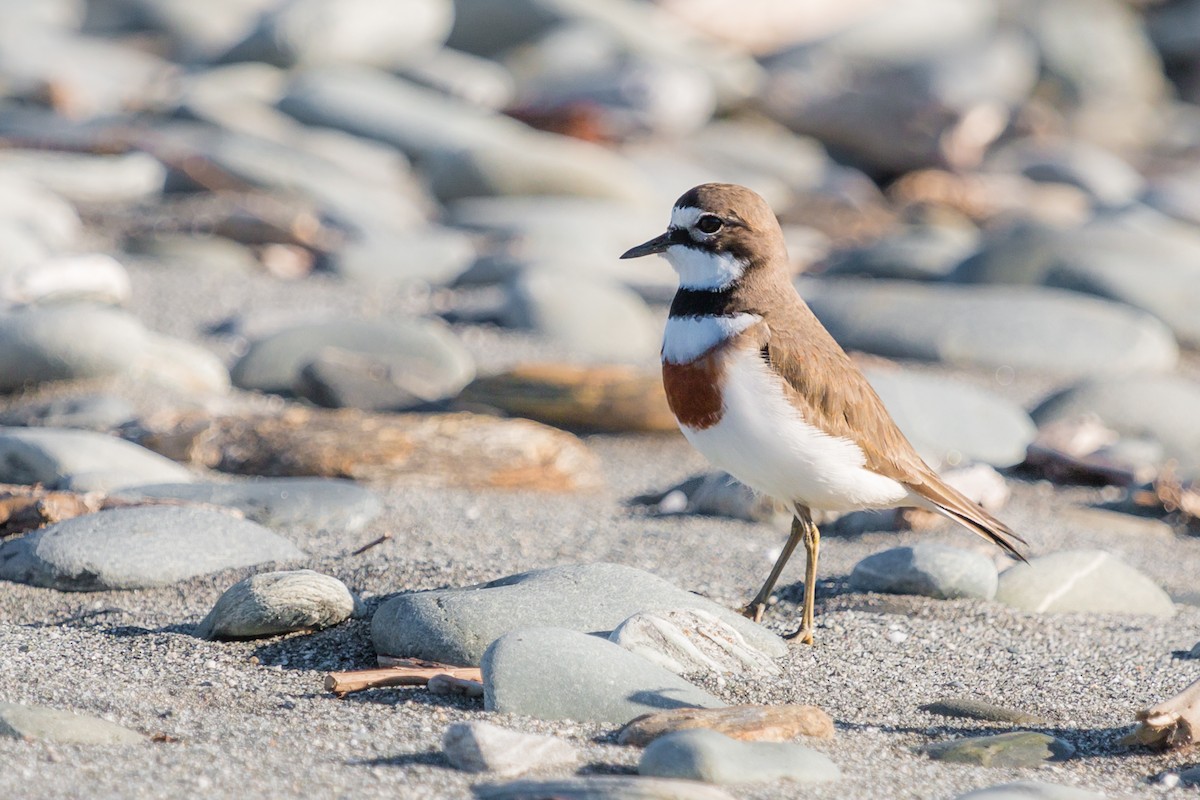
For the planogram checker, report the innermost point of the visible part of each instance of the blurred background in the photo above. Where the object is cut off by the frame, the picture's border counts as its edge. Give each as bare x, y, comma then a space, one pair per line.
370, 203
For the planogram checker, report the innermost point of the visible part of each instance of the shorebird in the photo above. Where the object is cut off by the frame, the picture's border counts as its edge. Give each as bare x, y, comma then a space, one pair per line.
765, 393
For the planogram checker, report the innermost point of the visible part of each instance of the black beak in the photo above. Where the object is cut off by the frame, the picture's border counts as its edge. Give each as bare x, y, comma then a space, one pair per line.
655, 245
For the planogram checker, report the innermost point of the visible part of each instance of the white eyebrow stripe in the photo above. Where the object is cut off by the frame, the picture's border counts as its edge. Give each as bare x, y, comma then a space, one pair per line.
685, 217
688, 338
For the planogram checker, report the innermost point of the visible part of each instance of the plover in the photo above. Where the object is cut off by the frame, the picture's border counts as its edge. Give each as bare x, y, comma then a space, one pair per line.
760, 387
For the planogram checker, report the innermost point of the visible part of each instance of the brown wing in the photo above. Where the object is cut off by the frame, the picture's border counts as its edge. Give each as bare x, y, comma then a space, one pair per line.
803, 353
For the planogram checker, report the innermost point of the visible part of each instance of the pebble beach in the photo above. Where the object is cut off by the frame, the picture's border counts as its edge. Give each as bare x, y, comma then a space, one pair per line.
317, 354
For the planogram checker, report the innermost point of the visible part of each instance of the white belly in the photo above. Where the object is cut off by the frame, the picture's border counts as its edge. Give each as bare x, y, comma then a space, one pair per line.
763, 441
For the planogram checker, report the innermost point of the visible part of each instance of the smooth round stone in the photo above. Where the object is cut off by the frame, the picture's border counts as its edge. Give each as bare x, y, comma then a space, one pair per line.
478, 81
82, 461
1159, 407
1020, 749
950, 422
47, 216
915, 253
99, 412
928, 570
20, 721
20, 248
83, 178
271, 603
1138, 257
1030, 790
1019, 327
704, 755
455, 626
601, 787
1107, 177
313, 503
180, 365
762, 146
382, 33
592, 318
434, 362
434, 255
1176, 194
187, 252
136, 548
92, 277
716, 494
194, 34
1082, 580
66, 343
554, 673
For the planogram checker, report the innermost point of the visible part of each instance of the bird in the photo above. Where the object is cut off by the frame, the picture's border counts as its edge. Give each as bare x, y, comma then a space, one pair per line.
761, 388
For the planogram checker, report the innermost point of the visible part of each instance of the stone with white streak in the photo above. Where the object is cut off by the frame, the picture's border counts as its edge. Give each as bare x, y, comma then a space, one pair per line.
478, 746
688, 640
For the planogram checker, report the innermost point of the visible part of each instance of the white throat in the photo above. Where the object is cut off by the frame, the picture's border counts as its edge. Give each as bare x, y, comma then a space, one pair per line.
700, 269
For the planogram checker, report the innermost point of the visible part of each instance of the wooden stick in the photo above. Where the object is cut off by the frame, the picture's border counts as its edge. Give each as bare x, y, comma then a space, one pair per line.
413, 673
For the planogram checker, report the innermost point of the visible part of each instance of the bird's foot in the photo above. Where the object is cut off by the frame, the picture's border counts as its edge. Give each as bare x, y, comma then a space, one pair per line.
754, 611
802, 636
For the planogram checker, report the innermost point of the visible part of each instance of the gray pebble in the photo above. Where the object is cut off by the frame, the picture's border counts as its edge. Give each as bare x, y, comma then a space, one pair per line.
180, 365
704, 755
601, 787
917, 252
95, 412
84, 178
1082, 580
271, 603
134, 548
1019, 749
52, 725
455, 626
1030, 790
478, 746
553, 673
1015, 327
974, 708
929, 570
433, 255
60, 458
66, 343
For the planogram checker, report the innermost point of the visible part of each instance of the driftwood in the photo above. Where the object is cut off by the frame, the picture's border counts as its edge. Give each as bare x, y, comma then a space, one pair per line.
610, 399
27, 508
1170, 724
748, 723
400, 672
461, 450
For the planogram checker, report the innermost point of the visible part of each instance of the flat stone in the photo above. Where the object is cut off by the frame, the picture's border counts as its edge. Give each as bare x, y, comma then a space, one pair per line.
339, 378
1030, 790
1108, 178
554, 673
1082, 580
974, 708
90, 277
314, 503
60, 458
435, 256
180, 365
951, 422
96, 412
47, 217
716, 494
135, 548
189, 252
601, 787
704, 755
1158, 407
1136, 256
65, 727
604, 398
595, 319
1022, 328
463, 450
271, 603
66, 343
478, 746
776, 723
1019, 749
85, 178
919, 252
455, 626
928, 570
688, 640
429, 360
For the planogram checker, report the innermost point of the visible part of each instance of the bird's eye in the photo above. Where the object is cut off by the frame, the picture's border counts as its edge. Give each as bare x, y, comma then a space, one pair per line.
709, 223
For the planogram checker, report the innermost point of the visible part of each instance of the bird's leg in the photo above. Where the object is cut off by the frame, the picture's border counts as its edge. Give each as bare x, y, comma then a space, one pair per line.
812, 548
758, 605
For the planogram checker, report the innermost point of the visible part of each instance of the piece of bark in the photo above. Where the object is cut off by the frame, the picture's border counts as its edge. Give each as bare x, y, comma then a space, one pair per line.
402, 672
748, 723
609, 398
1170, 724
462, 450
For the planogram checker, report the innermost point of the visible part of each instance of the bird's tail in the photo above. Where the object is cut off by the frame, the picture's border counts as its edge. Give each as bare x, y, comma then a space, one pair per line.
953, 504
